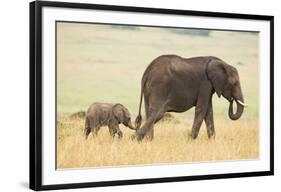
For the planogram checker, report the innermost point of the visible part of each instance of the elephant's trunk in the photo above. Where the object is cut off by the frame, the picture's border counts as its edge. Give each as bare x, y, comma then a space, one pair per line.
131, 126
240, 108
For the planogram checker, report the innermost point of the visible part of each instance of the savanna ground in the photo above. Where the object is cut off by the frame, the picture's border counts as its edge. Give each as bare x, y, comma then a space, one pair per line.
101, 63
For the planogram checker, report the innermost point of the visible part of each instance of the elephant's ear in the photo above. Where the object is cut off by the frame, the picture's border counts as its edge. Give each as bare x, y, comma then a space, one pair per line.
118, 112
216, 73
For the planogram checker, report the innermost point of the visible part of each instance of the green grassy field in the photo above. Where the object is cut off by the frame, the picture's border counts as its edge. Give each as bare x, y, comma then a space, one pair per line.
101, 63
98, 63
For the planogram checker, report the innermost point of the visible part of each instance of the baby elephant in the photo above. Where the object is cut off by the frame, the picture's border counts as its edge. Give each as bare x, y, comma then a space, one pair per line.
106, 114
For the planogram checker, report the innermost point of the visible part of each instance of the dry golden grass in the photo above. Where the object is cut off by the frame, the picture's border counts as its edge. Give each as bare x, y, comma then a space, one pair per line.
234, 140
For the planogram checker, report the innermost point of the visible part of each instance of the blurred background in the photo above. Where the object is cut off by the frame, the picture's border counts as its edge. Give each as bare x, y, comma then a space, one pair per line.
105, 63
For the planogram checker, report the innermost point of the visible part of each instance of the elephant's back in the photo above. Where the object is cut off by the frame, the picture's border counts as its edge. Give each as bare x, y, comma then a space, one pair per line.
162, 61
160, 67
97, 108
170, 65
173, 75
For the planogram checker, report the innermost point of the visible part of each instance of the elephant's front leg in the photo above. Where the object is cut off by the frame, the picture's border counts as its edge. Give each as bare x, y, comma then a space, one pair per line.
209, 120
113, 129
201, 108
119, 132
200, 112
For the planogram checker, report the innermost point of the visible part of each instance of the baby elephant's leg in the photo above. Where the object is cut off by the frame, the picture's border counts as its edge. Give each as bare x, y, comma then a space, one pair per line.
87, 129
119, 133
95, 131
87, 132
115, 129
112, 131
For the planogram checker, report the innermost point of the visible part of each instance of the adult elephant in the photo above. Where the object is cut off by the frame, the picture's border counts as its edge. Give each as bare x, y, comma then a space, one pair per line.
175, 84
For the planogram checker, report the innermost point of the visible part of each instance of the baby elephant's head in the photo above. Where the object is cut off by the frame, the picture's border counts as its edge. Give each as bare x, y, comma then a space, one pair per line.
122, 115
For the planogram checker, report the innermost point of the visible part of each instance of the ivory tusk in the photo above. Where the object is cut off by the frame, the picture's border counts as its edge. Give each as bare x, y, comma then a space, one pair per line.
241, 103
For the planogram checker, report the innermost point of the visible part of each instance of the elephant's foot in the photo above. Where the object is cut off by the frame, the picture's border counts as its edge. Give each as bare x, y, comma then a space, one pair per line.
120, 135
211, 135
137, 136
192, 135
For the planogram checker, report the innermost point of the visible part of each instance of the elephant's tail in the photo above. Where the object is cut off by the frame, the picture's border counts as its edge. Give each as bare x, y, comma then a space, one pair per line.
138, 121
139, 118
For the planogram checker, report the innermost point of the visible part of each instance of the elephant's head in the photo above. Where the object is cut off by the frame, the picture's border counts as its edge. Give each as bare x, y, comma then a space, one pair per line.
225, 81
122, 115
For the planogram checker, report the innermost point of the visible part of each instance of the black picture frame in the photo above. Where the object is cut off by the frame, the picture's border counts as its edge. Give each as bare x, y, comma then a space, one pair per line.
36, 94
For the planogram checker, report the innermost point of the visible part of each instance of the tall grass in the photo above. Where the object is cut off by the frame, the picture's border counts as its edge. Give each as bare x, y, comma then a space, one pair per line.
172, 144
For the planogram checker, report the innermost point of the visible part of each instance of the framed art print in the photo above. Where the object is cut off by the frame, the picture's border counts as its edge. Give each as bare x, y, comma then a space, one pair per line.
131, 95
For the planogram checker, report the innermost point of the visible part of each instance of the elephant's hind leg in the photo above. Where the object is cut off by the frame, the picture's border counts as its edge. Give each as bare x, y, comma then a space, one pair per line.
149, 113
87, 129
150, 133
95, 131
147, 128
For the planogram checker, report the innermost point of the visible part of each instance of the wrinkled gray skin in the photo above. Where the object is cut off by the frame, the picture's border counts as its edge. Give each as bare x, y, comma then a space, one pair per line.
107, 114
175, 84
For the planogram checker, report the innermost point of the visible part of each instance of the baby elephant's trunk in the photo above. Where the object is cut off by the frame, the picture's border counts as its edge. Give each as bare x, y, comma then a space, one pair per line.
131, 126
138, 121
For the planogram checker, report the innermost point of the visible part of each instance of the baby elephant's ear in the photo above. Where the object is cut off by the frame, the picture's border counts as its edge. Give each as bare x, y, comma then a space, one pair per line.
118, 112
